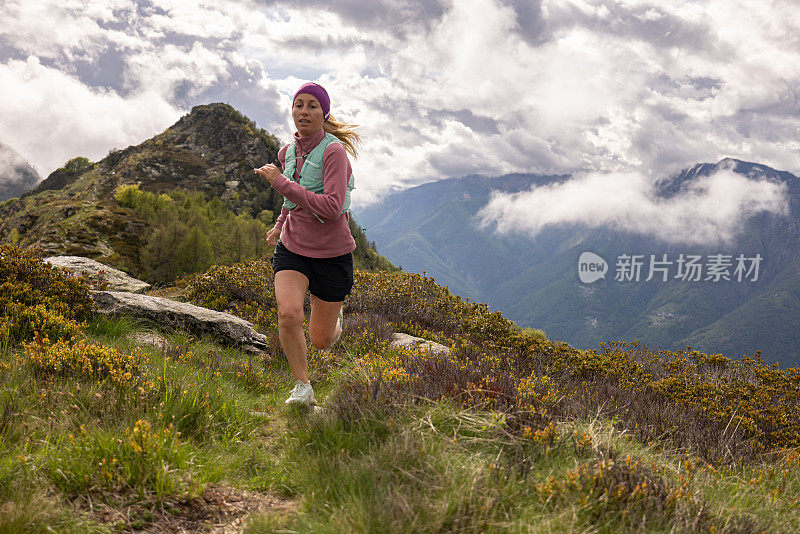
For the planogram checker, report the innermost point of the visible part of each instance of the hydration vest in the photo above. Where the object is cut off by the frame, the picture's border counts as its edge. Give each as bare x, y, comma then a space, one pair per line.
312, 175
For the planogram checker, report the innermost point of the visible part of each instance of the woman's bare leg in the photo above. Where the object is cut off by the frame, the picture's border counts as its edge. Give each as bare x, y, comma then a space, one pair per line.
323, 325
290, 291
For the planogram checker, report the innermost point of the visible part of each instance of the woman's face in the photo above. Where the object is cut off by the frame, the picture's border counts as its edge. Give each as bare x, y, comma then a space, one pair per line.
307, 115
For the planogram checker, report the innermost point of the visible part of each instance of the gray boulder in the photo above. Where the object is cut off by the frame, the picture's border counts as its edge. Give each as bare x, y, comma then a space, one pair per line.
95, 271
222, 326
409, 342
152, 339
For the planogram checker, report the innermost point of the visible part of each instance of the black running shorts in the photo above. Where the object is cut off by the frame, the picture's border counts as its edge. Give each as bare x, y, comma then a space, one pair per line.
329, 279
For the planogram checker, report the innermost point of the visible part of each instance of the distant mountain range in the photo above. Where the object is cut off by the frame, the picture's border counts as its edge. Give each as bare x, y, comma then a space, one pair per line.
16, 175
535, 281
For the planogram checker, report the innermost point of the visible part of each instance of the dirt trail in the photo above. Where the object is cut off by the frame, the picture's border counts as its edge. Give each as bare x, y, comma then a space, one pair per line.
219, 510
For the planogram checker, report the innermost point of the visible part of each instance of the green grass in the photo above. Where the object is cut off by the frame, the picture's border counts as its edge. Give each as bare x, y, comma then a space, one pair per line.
437, 468
105, 328
201, 415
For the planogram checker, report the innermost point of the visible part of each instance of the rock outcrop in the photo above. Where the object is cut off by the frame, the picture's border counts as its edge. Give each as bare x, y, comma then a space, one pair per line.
96, 271
152, 339
406, 341
225, 327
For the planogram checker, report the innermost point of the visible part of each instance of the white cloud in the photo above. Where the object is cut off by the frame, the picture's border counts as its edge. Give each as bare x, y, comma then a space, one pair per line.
50, 117
200, 19
161, 70
712, 210
59, 29
440, 89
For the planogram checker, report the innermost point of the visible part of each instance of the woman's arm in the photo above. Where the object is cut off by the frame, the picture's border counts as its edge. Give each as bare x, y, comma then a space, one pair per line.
281, 218
284, 212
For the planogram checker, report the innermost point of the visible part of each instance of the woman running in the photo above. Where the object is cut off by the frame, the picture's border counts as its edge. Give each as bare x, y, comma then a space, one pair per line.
312, 236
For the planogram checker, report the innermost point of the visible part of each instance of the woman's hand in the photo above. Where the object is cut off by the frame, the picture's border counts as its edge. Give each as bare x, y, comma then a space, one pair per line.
273, 235
268, 171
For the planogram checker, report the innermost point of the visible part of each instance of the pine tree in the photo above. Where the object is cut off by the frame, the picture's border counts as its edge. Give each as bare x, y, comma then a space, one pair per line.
195, 253
158, 255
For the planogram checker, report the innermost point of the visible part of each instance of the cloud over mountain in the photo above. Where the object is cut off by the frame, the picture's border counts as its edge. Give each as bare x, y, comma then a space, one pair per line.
440, 88
16, 174
712, 209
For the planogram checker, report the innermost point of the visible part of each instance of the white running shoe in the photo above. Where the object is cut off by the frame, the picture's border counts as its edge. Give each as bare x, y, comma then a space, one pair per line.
301, 394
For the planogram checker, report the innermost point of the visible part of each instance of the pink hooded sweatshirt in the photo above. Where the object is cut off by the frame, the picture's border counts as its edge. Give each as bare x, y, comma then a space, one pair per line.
301, 232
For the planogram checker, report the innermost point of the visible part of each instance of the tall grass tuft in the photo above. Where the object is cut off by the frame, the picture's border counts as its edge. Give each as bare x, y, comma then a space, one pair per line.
142, 459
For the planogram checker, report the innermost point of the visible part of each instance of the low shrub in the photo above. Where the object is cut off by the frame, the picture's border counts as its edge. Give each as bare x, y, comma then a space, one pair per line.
25, 322
83, 360
30, 281
37, 298
418, 302
246, 289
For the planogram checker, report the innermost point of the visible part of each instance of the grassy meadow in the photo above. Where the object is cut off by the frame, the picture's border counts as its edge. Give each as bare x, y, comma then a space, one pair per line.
104, 431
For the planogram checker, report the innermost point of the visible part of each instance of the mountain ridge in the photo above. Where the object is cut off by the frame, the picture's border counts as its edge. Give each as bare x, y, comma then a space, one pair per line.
535, 283
211, 150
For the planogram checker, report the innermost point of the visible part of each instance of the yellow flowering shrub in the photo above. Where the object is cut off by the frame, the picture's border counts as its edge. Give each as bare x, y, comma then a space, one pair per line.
388, 365
545, 436
25, 322
29, 280
245, 289
417, 302
82, 359
38, 298
536, 394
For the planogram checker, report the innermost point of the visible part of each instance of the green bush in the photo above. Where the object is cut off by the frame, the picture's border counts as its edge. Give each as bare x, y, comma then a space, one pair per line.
77, 165
36, 297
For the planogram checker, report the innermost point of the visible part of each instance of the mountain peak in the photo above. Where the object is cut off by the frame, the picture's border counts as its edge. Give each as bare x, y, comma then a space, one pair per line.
217, 127
213, 150
216, 111
16, 174
755, 171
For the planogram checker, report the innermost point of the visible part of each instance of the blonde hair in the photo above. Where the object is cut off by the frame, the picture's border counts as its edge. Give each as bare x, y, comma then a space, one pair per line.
344, 132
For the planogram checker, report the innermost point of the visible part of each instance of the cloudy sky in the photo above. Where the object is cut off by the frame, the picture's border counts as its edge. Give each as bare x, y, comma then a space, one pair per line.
713, 209
441, 88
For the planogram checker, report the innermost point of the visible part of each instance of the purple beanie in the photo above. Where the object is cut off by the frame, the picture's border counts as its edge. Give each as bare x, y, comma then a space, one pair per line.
318, 92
